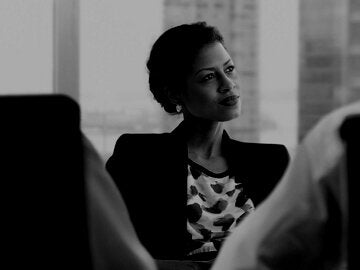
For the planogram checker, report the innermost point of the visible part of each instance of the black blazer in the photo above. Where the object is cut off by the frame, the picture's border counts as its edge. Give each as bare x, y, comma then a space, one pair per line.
150, 171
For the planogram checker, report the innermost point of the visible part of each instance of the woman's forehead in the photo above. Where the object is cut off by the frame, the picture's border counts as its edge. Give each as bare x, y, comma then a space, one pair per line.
211, 55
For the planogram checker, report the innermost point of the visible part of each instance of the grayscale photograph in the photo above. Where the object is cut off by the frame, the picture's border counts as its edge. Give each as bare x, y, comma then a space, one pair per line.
180, 134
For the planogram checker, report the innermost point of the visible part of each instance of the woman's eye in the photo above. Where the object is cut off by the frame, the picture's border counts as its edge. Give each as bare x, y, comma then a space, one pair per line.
229, 69
208, 77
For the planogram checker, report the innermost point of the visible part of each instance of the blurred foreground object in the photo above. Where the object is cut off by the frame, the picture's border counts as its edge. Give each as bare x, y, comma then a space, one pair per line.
304, 223
59, 207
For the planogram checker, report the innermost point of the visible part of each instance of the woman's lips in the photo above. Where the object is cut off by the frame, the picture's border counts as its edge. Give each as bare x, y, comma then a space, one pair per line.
229, 101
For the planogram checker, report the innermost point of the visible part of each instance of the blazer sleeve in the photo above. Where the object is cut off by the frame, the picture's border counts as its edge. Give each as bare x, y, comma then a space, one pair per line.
118, 157
129, 165
124, 162
114, 242
284, 159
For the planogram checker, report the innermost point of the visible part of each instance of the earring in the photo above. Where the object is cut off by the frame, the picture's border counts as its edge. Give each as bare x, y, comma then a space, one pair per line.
178, 108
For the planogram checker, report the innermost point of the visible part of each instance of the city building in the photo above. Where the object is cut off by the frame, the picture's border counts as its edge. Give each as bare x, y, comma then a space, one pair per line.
329, 58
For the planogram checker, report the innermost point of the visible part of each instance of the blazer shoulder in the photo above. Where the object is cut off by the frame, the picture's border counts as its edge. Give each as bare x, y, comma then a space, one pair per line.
261, 152
135, 146
146, 143
137, 139
262, 147
273, 148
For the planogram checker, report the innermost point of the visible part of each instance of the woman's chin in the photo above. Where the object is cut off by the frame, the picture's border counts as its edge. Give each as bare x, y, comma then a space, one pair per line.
229, 115
225, 118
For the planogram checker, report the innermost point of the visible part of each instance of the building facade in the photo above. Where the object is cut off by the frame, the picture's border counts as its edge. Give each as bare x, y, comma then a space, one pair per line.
329, 58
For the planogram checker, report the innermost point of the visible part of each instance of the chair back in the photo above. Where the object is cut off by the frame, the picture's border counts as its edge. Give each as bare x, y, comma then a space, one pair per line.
43, 215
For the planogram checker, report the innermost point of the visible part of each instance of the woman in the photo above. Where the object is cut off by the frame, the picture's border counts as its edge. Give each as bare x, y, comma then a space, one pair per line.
187, 190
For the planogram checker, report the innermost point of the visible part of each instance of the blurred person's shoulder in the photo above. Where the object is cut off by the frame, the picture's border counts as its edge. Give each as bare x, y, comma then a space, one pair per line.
327, 128
152, 143
323, 144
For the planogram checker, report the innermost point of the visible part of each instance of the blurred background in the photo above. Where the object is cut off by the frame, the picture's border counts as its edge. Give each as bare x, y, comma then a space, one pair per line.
297, 60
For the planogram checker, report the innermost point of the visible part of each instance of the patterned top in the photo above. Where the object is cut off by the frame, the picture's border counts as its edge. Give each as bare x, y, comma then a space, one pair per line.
215, 205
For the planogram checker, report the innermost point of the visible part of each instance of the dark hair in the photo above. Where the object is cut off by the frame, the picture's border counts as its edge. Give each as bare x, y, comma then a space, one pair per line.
172, 57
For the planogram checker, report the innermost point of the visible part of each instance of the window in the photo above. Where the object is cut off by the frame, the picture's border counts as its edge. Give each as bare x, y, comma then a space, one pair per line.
26, 47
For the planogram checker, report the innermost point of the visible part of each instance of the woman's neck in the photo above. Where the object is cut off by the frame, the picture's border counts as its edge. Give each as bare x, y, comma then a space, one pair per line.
204, 138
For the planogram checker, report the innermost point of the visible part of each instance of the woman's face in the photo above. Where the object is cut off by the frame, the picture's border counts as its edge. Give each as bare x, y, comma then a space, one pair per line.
212, 89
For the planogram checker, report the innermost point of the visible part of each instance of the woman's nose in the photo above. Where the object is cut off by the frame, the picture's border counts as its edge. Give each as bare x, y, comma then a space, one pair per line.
227, 84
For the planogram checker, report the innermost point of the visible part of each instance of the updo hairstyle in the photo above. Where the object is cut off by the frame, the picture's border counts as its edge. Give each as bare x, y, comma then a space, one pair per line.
172, 57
